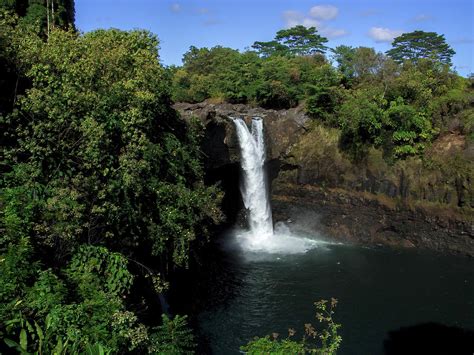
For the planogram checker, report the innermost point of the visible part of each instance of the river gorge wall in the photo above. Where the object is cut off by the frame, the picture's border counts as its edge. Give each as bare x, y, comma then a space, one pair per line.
409, 203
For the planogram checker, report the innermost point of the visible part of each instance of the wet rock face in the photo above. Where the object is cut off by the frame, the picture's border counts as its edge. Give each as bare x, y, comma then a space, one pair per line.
282, 129
220, 144
221, 147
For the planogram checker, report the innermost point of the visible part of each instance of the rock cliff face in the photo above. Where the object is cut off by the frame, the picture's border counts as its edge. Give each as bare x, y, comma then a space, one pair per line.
282, 129
401, 205
221, 147
354, 217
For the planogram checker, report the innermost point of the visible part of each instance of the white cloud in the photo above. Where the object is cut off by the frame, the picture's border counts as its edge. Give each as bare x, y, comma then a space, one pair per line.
175, 7
309, 22
292, 18
295, 18
380, 34
330, 32
324, 12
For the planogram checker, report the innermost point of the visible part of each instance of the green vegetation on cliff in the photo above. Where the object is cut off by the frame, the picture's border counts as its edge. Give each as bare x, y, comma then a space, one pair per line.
406, 106
398, 105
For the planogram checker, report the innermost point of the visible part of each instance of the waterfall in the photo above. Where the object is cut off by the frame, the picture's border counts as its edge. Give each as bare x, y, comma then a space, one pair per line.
254, 188
261, 238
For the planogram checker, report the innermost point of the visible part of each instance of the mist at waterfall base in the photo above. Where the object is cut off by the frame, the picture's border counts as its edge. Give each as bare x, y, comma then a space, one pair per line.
261, 237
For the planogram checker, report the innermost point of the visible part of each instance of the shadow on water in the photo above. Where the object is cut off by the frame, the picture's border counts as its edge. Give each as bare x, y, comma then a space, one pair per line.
212, 281
430, 338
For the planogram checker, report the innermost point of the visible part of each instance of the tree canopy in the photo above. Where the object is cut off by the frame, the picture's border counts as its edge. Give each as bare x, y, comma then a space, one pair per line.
373, 99
102, 190
420, 44
267, 49
44, 13
359, 62
298, 40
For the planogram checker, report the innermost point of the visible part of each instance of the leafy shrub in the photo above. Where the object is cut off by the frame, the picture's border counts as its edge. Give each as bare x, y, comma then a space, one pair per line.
411, 128
172, 337
324, 341
361, 120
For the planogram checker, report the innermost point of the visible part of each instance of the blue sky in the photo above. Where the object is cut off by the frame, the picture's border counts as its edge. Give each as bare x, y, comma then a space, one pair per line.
237, 24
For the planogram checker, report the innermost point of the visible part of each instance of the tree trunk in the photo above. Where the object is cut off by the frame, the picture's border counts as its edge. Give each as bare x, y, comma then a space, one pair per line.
47, 16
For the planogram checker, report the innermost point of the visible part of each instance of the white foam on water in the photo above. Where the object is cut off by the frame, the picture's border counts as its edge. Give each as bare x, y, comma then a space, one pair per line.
282, 241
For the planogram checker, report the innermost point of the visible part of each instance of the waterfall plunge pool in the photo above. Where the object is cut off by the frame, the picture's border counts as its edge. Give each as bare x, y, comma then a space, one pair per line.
379, 290
271, 278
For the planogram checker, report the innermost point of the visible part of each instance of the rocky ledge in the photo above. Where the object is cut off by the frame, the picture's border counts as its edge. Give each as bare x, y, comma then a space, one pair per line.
367, 219
282, 129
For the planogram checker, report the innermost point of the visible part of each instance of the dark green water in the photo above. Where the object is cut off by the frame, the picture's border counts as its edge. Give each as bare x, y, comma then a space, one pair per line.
379, 290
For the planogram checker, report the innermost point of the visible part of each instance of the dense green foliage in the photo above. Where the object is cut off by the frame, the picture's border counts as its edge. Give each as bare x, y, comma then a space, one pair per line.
102, 192
323, 341
420, 44
173, 337
43, 14
374, 99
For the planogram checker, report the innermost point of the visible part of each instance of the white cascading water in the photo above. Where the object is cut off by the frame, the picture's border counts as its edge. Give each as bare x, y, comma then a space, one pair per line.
253, 188
261, 237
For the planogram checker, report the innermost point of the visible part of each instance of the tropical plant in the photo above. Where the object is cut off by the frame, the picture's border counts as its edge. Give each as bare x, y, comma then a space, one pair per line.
98, 172
173, 337
324, 341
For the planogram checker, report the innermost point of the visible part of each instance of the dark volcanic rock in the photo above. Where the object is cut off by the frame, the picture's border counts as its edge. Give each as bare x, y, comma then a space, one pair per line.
354, 218
221, 148
282, 129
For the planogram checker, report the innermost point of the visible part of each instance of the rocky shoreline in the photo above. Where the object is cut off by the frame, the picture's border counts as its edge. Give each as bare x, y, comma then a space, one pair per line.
366, 219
